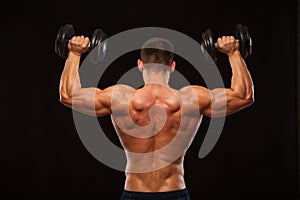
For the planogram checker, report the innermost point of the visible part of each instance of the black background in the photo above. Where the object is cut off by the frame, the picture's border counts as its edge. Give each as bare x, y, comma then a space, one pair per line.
42, 156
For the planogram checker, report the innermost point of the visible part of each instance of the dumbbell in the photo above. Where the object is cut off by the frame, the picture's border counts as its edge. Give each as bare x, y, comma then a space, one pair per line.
241, 35
98, 42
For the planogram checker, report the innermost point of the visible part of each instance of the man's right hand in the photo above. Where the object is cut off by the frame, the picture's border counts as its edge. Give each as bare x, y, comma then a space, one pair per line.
228, 45
78, 45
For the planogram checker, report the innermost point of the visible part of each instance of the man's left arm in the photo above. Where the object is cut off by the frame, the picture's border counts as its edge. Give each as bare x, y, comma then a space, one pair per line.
90, 101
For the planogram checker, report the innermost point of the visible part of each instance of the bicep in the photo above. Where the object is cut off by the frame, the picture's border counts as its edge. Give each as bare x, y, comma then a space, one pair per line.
96, 102
214, 102
221, 102
91, 101
204, 99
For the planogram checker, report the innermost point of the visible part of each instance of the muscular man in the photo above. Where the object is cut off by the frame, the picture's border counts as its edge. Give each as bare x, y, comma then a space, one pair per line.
156, 124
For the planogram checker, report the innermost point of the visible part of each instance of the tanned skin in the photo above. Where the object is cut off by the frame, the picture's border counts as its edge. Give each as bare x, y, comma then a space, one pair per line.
156, 91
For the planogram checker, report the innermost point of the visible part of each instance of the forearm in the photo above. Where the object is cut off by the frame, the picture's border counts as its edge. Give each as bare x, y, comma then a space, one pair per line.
241, 92
70, 81
241, 82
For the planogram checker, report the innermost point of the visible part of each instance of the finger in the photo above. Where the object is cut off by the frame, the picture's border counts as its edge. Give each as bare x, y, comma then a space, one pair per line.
74, 40
232, 38
220, 42
86, 42
229, 40
223, 38
233, 41
80, 40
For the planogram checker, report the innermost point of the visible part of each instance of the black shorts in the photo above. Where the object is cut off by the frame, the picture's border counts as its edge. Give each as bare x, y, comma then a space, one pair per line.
173, 195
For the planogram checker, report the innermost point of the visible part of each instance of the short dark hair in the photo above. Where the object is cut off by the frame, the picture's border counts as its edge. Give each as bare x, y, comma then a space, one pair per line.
157, 50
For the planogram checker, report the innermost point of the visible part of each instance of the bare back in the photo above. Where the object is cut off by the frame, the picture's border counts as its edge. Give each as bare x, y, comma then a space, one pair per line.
155, 133
156, 124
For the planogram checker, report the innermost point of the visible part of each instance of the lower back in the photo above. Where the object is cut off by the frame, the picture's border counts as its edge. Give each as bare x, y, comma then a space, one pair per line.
169, 178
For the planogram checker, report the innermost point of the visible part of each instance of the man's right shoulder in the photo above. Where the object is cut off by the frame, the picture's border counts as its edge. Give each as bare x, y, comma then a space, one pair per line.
193, 91
193, 88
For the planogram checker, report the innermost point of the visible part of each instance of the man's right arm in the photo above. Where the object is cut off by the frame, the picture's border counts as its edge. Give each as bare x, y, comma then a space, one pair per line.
225, 101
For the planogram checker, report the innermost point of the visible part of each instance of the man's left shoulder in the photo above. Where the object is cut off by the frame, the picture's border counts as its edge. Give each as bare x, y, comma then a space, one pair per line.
123, 89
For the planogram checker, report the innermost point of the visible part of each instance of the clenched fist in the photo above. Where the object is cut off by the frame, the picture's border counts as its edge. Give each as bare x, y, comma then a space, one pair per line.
79, 45
228, 45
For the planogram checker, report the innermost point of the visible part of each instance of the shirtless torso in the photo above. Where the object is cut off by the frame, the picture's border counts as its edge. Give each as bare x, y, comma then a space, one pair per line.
163, 170
156, 124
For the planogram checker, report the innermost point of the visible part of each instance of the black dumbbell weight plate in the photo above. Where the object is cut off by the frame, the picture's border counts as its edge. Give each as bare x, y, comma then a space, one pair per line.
211, 44
208, 44
204, 47
245, 40
248, 42
65, 33
98, 44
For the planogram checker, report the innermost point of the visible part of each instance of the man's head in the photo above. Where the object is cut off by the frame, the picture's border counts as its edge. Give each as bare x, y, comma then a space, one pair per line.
157, 50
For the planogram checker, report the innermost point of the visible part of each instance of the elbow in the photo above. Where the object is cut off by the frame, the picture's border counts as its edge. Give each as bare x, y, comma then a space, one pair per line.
65, 100
249, 99
62, 99
245, 100
64, 95
250, 96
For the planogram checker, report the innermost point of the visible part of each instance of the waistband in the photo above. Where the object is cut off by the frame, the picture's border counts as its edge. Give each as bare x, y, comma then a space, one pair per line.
161, 195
